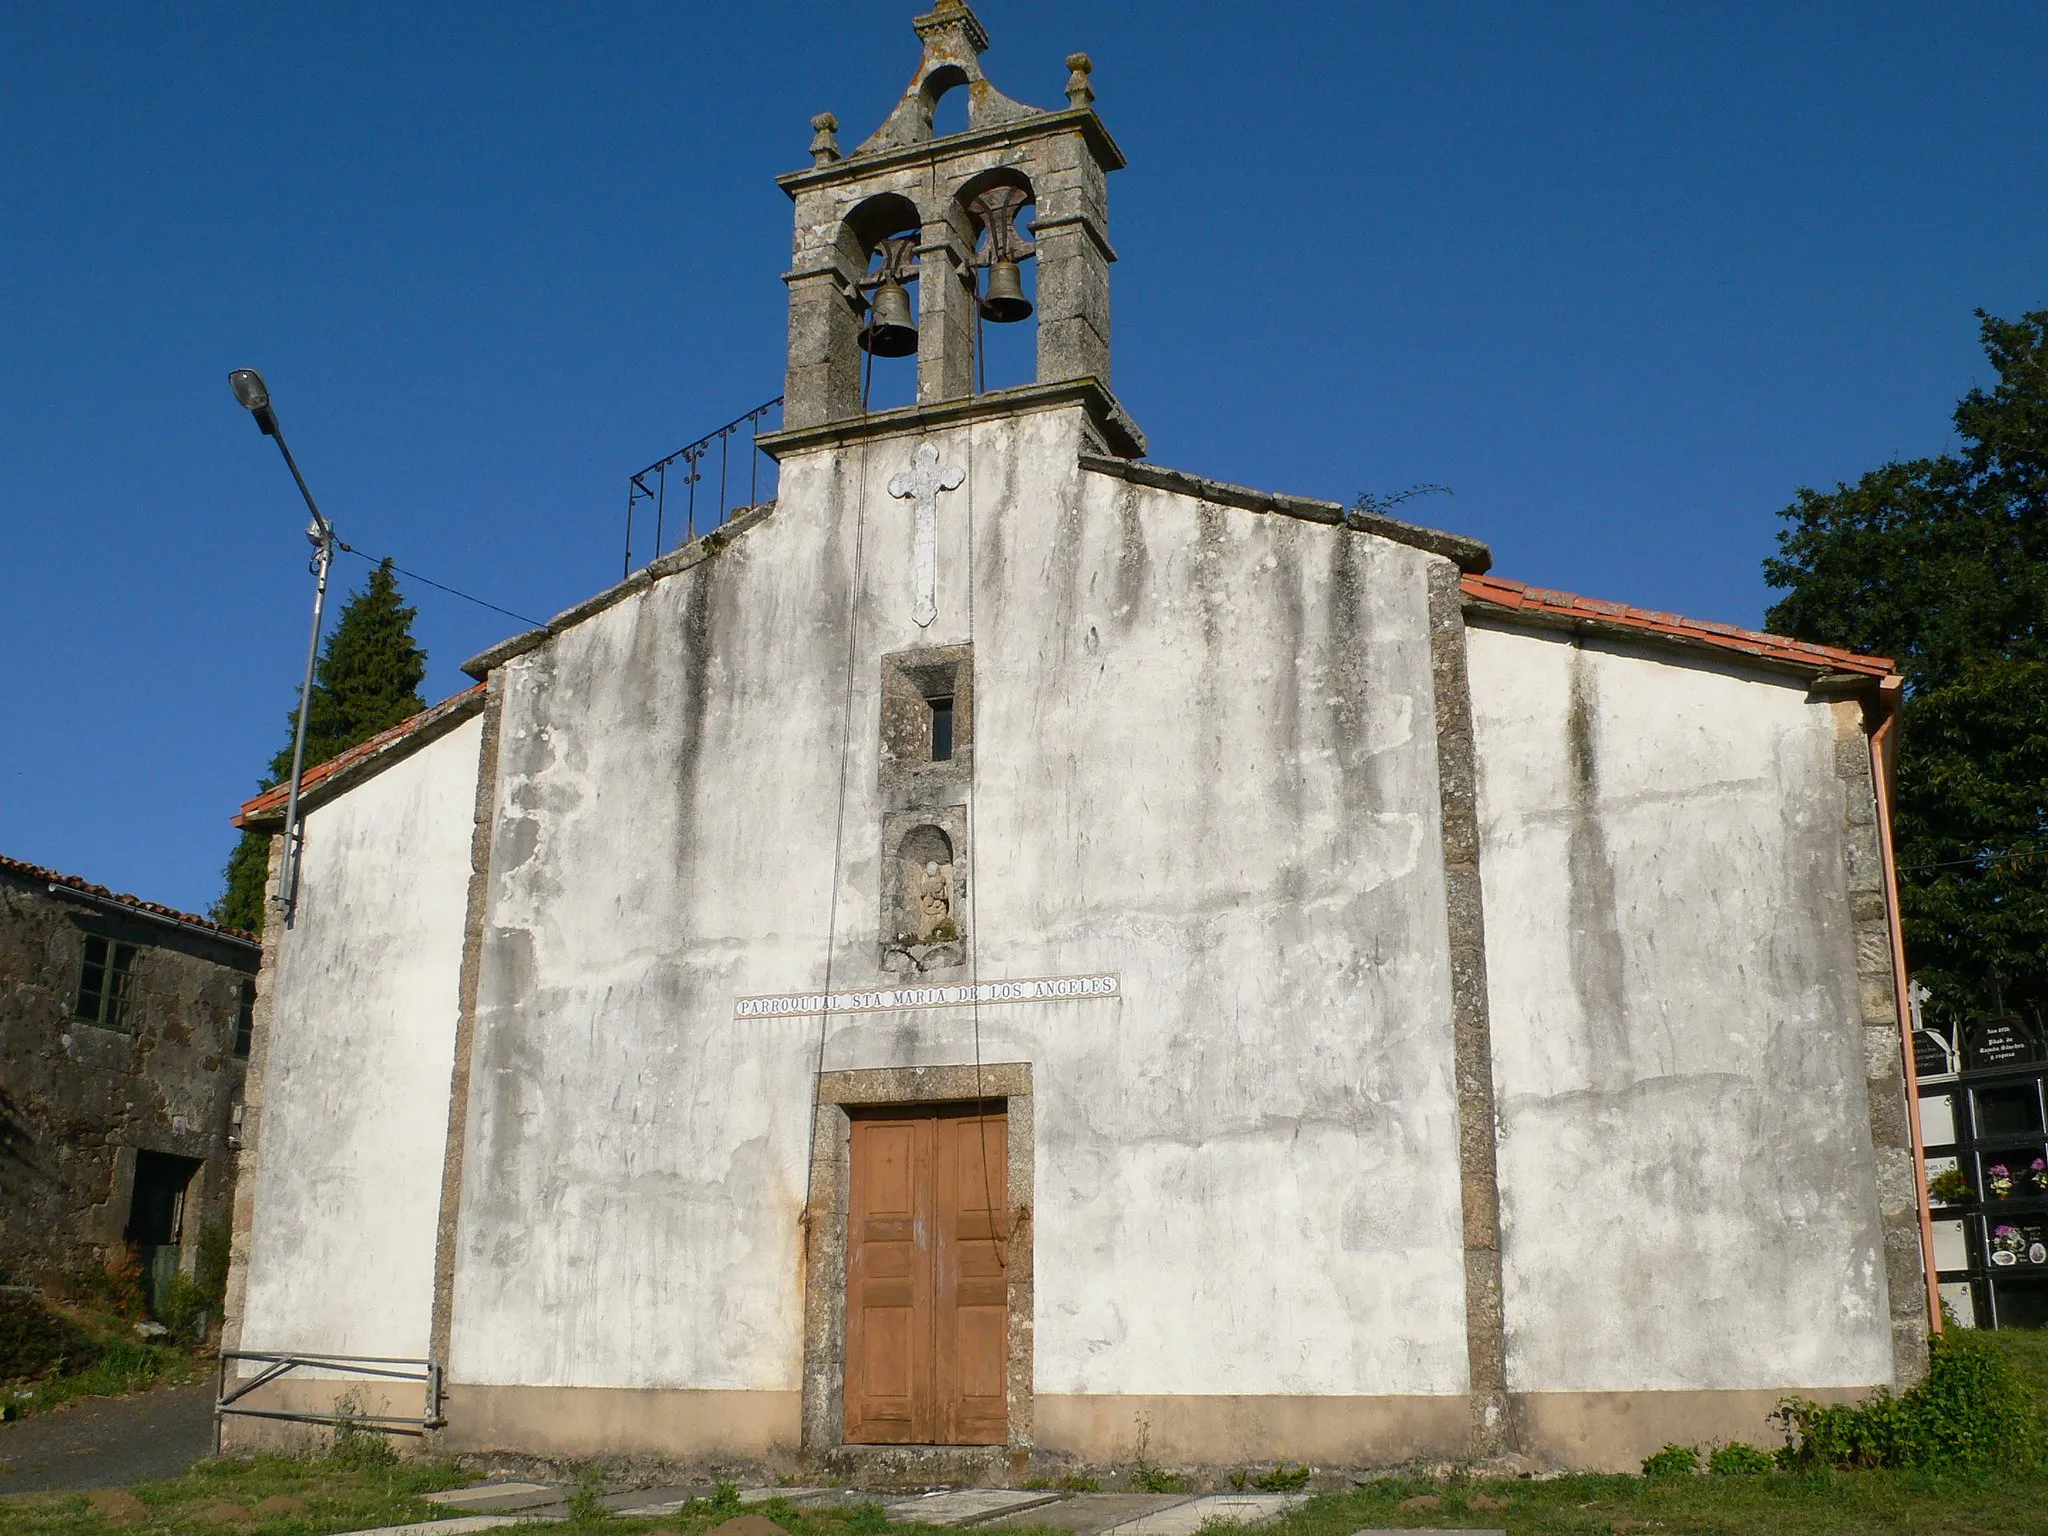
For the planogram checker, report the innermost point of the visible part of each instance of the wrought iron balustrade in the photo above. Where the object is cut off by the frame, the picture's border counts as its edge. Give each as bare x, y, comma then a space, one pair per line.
691, 464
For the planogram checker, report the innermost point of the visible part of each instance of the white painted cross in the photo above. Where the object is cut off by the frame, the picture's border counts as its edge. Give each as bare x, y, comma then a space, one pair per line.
922, 482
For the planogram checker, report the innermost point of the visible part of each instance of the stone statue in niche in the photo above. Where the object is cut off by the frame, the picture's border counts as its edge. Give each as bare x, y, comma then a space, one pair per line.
931, 885
925, 933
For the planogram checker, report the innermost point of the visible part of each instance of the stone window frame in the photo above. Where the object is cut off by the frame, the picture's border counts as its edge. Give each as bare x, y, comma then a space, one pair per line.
823, 1428
910, 680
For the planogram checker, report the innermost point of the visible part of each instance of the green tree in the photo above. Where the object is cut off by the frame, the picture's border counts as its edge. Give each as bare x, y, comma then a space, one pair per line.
1942, 564
368, 680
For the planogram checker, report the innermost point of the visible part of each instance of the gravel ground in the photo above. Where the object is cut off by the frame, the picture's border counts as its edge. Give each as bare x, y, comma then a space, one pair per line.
108, 1442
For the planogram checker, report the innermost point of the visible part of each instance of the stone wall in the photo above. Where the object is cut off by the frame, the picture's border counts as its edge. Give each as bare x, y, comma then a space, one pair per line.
1689, 1191
79, 1100
349, 1121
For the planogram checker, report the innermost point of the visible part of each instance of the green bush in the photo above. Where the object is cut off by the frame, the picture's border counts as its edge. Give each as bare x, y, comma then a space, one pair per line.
1738, 1460
1284, 1479
36, 1340
182, 1306
1672, 1461
1972, 1413
212, 1268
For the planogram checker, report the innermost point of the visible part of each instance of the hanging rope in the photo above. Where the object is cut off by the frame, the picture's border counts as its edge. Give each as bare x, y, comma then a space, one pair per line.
860, 525
998, 1225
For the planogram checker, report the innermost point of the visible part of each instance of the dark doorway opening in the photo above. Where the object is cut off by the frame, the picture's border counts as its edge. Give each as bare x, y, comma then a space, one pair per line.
156, 1215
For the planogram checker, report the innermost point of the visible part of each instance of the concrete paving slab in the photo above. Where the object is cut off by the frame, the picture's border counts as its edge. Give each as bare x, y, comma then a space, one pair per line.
461, 1526
495, 1498
966, 1506
671, 1501
1091, 1514
1237, 1508
797, 1495
653, 1501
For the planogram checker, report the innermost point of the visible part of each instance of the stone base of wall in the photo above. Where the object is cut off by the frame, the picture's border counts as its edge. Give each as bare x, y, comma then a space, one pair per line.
1580, 1431
639, 1422
1230, 1430
1614, 1431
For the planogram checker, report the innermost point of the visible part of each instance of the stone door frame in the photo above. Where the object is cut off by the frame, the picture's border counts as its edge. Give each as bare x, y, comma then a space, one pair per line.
824, 1380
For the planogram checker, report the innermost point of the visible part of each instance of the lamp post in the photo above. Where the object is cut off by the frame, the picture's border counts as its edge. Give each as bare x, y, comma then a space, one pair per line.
249, 389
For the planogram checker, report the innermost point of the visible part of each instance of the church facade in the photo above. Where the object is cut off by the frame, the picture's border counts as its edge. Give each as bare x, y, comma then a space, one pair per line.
1016, 956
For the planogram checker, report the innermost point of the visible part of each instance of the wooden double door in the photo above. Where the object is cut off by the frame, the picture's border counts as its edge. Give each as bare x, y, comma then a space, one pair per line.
927, 1277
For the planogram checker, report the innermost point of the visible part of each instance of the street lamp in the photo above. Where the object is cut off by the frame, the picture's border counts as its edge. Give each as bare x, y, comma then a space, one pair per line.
251, 391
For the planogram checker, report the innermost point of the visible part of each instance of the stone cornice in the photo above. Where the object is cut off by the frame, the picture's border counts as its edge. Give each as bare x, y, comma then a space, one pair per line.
1081, 120
1118, 431
1469, 555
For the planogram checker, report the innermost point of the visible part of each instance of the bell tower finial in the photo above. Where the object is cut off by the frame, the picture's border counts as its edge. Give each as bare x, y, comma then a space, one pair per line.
959, 220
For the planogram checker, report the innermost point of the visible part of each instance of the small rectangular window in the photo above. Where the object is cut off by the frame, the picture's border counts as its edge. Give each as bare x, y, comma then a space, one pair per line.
106, 982
245, 1019
942, 730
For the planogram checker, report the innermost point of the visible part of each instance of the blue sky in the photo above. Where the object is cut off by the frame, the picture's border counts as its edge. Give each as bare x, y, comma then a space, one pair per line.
1622, 276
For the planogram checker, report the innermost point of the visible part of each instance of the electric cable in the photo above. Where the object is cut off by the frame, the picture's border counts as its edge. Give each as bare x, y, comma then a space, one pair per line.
348, 548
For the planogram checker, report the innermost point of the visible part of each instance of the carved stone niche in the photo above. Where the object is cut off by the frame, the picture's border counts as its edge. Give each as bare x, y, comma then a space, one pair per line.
924, 890
928, 697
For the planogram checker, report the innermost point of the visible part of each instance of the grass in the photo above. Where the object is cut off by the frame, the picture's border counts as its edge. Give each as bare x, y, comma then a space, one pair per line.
128, 1365
263, 1496
363, 1486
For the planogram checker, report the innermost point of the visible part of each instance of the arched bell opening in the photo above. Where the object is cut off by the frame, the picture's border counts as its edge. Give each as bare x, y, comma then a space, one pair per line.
998, 207
946, 107
879, 241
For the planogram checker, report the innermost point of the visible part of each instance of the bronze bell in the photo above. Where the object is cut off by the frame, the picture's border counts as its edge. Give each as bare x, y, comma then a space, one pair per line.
1005, 302
891, 331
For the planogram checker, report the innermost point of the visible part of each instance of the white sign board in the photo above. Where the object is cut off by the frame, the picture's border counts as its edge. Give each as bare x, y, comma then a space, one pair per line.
1041, 989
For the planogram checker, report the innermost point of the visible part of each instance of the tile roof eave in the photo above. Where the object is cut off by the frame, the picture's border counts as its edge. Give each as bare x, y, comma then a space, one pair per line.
102, 895
1566, 609
323, 780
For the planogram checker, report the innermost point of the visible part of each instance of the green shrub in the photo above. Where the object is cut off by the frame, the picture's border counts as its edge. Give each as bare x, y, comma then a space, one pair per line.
182, 1305
37, 1340
1672, 1461
1972, 1413
356, 1445
212, 1269
1284, 1479
585, 1504
1738, 1460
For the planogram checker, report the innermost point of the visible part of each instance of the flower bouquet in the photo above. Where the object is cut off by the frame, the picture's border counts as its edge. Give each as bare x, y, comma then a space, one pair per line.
1998, 1181
2007, 1244
2037, 1174
1949, 1187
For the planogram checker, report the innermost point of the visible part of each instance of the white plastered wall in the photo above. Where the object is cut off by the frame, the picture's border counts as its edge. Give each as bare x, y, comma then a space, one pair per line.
1204, 760
1687, 1186
355, 1107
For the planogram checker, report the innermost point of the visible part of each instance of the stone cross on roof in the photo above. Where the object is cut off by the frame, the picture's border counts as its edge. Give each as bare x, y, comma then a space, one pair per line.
922, 483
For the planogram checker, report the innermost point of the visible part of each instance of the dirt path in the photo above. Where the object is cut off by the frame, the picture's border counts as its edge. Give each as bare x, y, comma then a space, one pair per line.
108, 1442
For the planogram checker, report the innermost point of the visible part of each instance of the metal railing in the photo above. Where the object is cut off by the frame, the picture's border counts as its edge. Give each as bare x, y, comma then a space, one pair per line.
651, 484
227, 1402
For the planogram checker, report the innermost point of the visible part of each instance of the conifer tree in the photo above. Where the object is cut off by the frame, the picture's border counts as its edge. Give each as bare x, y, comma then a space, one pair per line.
368, 680
1942, 564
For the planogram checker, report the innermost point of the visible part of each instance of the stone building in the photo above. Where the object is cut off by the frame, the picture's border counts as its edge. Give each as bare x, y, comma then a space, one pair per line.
1017, 950
124, 1033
